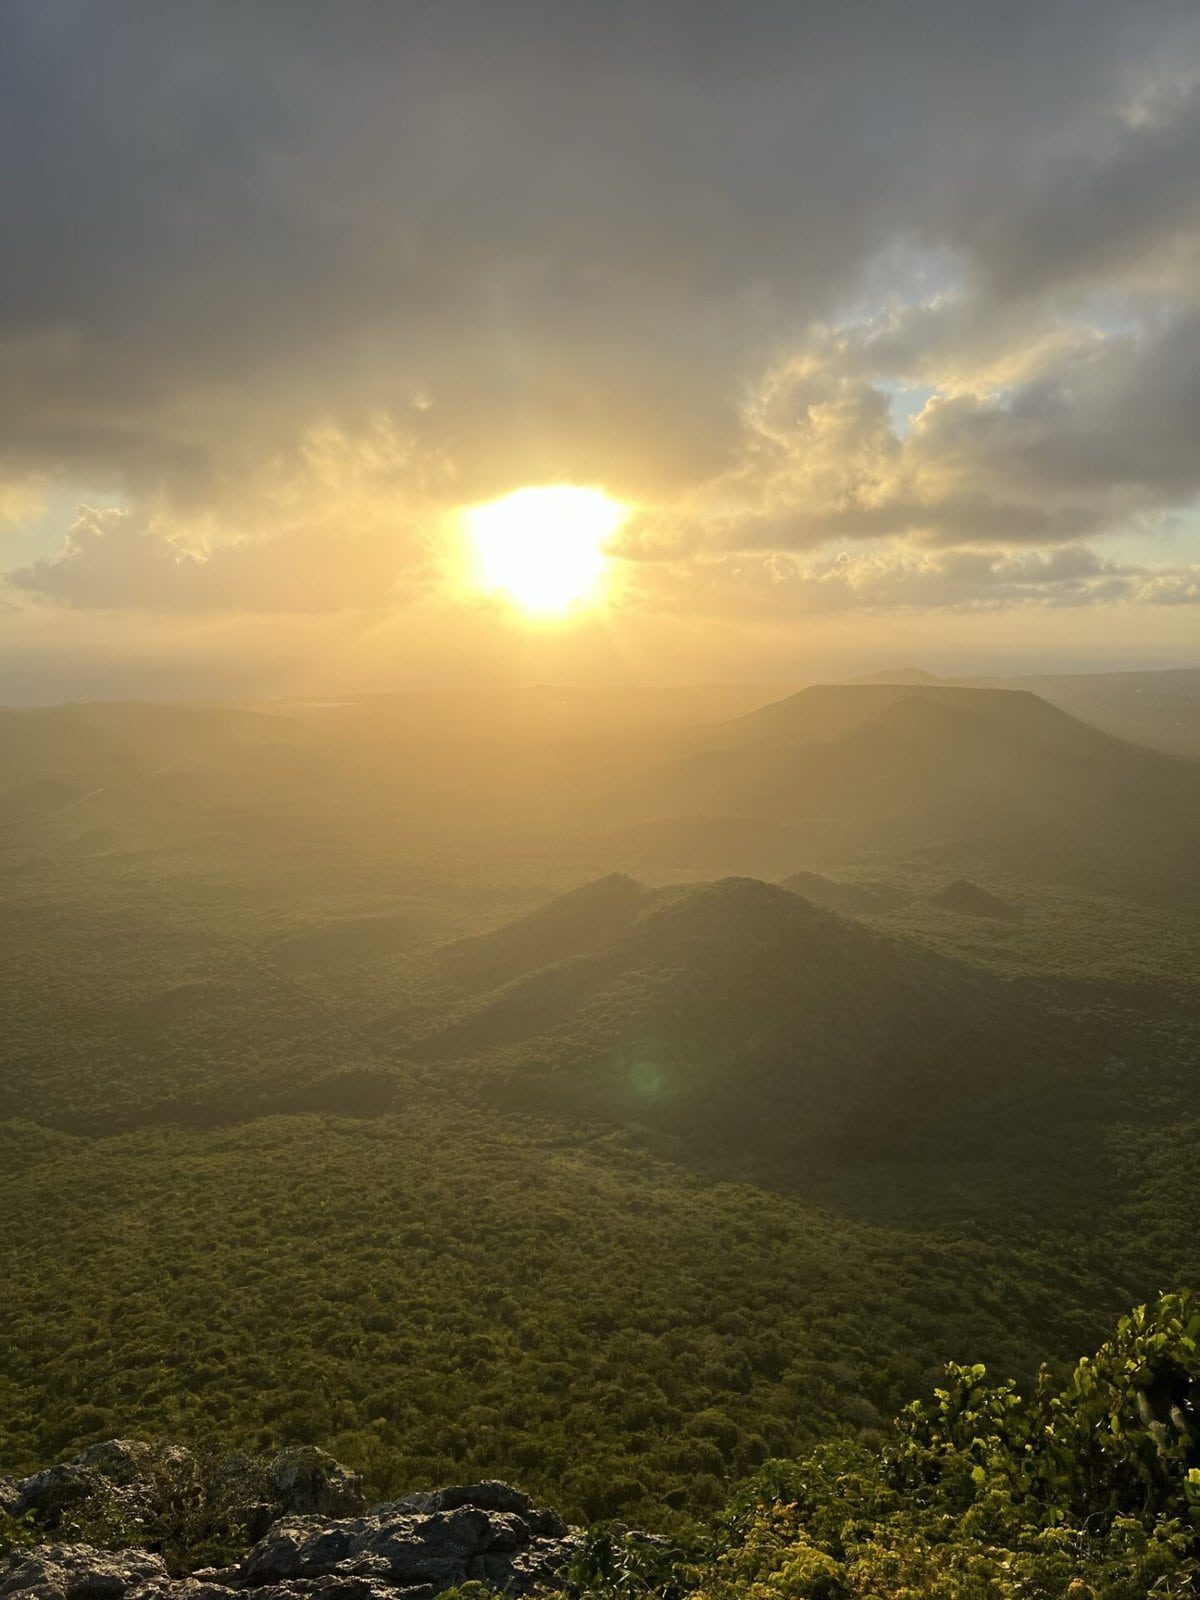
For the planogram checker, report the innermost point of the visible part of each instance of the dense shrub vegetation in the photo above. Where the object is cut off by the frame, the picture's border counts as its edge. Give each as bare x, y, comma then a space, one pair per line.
450, 1294
1088, 1488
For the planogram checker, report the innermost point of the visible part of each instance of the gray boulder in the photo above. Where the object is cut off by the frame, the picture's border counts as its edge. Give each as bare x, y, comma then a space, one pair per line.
116, 1474
423, 1544
124, 1481
414, 1548
489, 1495
126, 1462
78, 1572
52, 1494
307, 1482
332, 1589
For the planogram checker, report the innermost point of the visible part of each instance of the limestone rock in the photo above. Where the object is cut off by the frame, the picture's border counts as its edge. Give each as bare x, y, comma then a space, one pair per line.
411, 1549
78, 1572
305, 1481
54, 1492
127, 1461
421, 1545
117, 1473
489, 1495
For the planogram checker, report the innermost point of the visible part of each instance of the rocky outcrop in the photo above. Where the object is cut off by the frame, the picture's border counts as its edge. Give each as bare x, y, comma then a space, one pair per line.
407, 1551
80, 1572
306, 1481
125, 1482
417, 1546
124, 1474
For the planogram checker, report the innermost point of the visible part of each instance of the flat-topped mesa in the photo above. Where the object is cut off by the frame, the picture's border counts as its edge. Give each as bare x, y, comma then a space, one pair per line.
315, 1537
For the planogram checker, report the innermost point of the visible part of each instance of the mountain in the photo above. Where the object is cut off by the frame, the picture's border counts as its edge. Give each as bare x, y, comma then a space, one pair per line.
574, 924
1158, 708
909, 675
832, 711
949, 777
739, 1015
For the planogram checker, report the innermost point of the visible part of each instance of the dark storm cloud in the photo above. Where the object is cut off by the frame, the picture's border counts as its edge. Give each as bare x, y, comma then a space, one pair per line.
571, 240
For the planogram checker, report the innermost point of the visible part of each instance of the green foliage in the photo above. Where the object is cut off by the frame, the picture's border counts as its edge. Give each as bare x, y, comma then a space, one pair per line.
16, 1533
451, 1295
1089, 1488
106, 1519
1121, 1439
202, 1504
616, 1563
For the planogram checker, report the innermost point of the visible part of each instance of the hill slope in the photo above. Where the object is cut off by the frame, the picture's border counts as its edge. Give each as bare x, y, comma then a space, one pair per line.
950, 775
738, 1014
971, 900
1158, 708
846, 897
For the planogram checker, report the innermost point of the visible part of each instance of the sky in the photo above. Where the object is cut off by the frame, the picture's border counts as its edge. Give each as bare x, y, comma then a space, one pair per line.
878, 324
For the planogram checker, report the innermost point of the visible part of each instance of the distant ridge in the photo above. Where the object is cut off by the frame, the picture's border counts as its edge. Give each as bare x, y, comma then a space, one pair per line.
909, 675
968, 779
833, 710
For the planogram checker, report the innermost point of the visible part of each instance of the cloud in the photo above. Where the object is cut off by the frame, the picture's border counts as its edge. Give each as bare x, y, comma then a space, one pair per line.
114, 559
1093, 434
289, 281
222, 225
778, 586
338, 522
1180, 588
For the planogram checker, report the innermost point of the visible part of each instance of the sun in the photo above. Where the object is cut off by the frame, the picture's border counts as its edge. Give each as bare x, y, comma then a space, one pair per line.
543, 548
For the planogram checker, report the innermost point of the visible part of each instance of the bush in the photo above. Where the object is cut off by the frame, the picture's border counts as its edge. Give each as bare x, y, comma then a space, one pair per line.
1088, 1489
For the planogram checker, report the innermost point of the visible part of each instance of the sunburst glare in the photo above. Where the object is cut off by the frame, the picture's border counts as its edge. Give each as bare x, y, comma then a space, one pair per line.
543, 548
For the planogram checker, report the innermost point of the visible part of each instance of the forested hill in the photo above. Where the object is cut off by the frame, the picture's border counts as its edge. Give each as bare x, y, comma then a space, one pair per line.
740, 1013
966, 775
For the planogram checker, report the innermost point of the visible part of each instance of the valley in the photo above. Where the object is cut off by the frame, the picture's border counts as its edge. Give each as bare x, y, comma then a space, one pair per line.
683, 1092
